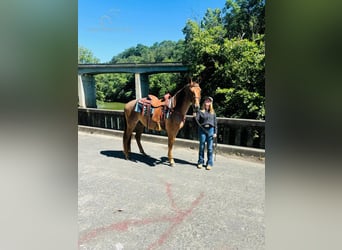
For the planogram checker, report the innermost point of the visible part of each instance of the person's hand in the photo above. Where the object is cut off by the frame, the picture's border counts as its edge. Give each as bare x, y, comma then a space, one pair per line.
214, 135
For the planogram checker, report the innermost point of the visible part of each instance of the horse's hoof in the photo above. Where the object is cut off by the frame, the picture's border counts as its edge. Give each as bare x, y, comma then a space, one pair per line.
172, 165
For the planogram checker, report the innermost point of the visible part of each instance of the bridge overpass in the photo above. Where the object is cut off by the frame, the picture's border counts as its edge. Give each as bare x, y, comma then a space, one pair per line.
86, 81
143, 203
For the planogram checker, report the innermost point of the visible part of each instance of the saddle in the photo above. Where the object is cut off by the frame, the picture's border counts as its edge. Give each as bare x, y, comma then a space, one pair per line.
156, 107
155, 102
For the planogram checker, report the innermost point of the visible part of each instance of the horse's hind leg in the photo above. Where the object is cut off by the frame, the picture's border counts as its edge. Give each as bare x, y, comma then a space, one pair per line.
127, 141
139, 129
127, 136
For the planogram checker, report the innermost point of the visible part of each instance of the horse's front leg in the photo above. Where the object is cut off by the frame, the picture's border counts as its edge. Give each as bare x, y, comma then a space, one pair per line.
171, 140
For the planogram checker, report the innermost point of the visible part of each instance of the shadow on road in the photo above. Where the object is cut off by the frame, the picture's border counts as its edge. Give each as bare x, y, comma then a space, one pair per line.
178, 161
148, 160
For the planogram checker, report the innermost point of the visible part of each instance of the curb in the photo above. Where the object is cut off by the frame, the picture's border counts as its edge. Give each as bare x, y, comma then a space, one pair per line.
223, 149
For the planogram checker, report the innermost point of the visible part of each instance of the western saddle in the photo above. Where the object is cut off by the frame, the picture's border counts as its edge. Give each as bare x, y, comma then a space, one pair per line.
160, 106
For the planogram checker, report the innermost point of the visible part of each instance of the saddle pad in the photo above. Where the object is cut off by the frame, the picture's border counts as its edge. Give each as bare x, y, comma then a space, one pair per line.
139, 108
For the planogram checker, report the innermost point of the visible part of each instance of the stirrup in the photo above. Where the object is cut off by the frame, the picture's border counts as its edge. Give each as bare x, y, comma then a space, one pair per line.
158, 126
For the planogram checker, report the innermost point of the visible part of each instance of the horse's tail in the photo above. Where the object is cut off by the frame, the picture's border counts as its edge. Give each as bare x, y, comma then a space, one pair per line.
125, 124
126, 138
125, 121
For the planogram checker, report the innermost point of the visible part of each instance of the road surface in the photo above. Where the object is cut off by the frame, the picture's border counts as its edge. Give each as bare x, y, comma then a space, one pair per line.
144, 203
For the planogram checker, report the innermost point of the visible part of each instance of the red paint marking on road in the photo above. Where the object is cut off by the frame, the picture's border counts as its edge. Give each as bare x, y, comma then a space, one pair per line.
176, 221
169, 194
162, 238
120, 226
124, 225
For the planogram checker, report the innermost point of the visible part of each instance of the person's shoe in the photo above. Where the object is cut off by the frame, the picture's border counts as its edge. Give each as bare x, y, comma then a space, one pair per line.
208, 167
199, 166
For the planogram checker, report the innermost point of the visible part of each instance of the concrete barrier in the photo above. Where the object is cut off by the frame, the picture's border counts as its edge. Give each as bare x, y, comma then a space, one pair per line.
238, 132
246, 152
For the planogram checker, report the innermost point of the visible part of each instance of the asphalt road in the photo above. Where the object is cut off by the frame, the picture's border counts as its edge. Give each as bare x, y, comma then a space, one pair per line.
145, 204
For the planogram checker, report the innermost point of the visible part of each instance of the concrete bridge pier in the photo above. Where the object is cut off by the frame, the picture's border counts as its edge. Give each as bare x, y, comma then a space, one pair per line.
141, 85
86, 91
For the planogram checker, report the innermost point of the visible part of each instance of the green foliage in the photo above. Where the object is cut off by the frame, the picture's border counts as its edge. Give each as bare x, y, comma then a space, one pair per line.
118, 87
110, 105
244, 18
166, 51
243, 64
203, 42
232, 69
240, 103
163, 83
86, 56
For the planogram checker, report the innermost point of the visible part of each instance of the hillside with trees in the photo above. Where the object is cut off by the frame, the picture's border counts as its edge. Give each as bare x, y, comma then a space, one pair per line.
225, 50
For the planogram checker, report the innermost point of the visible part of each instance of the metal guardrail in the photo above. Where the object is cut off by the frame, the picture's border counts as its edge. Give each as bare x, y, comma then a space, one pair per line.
239, 132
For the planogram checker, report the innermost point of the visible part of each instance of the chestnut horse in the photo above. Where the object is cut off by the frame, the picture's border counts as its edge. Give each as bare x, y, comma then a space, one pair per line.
189, 95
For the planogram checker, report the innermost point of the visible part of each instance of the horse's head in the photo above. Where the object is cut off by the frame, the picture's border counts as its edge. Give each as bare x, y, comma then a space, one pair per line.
195, 92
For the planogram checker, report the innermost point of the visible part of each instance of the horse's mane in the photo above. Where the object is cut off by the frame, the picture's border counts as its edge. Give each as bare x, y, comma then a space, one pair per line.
180, 94
180, 91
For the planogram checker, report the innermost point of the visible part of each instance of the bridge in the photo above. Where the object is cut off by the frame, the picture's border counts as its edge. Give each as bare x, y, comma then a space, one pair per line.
143, 203
86, 81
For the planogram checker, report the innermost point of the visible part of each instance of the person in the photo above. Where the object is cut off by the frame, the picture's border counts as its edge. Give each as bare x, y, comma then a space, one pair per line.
207, 130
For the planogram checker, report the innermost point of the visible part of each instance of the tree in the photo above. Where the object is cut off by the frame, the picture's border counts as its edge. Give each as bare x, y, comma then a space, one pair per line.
202, 45
86, 56
166, 51
114, 87
231, 68
244, 18
163, 83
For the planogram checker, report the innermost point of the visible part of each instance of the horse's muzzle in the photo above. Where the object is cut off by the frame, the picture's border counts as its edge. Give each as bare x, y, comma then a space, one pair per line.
195, 108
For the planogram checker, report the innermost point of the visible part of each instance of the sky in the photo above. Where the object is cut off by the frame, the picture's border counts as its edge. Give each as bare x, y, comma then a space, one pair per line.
108, 27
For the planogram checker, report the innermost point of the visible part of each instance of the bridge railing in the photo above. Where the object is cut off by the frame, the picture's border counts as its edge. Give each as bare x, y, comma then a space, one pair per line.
239, 132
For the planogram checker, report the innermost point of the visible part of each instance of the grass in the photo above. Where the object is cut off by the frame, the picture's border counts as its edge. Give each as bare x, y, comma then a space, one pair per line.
110, 105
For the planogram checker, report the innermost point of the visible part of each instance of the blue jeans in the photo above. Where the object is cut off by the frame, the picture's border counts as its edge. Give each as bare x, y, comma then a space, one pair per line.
203, 138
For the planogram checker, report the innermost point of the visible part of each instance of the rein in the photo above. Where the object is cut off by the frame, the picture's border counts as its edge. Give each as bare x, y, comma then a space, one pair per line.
173, 98
174, 101
199, 125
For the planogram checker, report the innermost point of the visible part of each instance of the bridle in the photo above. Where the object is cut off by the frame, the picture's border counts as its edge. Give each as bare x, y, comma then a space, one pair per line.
194, 98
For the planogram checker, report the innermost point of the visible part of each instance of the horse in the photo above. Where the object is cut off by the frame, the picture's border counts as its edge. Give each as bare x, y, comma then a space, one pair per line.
188, 95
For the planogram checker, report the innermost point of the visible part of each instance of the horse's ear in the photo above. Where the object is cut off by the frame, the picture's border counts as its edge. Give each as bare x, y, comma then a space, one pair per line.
199, 80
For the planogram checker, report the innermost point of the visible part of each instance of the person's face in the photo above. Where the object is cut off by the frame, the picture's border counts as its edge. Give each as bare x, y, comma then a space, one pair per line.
207, 101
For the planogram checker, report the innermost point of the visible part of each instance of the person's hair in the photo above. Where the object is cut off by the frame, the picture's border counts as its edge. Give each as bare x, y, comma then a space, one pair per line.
211, 108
